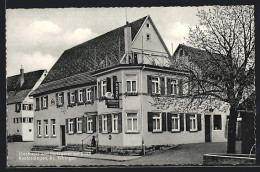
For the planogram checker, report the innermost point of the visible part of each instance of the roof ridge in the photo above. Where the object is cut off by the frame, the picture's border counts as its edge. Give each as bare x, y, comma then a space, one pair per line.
27, 73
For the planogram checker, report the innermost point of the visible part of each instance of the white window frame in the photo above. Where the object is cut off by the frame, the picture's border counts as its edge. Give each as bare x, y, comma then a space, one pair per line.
115, 123
46, 128
78, 125
103, 87
80, 96
173, 119
174, 85
44, 103
89, 124
193, 120
132, 122
53, 127
104, 123
157, 118
70, 125
148, 37
60, 99
131, 86
88, 94
72, 97
39, 125
155, 86
26, 107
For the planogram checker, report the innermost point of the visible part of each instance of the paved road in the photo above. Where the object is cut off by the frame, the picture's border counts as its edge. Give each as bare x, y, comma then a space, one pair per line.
188, 154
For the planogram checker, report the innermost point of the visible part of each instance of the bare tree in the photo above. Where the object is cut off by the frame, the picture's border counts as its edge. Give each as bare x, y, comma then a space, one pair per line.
227, 71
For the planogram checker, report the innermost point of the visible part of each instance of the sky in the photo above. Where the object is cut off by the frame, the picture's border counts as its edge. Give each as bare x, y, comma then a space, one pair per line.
36, 38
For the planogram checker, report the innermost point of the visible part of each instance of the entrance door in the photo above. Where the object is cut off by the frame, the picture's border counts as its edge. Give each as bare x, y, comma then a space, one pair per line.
207, 128
62, 129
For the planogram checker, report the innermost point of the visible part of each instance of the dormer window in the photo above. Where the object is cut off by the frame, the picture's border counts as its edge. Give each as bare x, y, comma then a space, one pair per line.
147, 25
181, 53
148, 37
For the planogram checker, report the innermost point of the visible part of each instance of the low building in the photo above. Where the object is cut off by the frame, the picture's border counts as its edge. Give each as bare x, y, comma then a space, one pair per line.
120, 88
20, 114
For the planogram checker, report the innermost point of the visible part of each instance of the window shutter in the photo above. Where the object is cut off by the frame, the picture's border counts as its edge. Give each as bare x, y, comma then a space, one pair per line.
149, 84
109, 123
30, 106
163, 121
162, 86
16, 107
182, 122
150, 121
169, 121
41, 102
68, 98
199, 121
14, 120
67, 125
187, 122
100, 123
94, 117
108, 84
47, 101
99, 90
19, 107
76, 96
74, 125
23, 107
114, 86
92, 94
37, 103
120, 122
168, 86
180, 87
95, 92
84, 95
57, 102
84, 124
62, 98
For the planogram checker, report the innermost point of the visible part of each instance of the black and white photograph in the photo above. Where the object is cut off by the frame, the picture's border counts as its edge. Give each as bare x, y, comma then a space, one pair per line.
130, 86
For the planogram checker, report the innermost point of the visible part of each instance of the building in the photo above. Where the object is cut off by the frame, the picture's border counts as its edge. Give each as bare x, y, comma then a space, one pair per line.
119, 87
20, 114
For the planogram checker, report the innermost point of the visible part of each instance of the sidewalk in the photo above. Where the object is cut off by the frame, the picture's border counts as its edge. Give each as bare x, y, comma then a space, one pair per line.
88, 156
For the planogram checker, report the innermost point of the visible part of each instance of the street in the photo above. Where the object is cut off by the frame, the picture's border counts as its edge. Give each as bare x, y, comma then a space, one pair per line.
188, 154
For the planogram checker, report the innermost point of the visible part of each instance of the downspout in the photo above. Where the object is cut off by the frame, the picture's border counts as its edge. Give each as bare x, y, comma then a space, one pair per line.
141, 81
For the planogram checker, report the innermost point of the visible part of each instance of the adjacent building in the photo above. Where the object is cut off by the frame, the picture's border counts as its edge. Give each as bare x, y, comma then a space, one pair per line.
20, 114
121, 88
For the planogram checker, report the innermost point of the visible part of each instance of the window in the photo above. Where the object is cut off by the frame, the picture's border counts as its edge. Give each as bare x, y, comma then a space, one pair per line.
89, 95
103, 87
45, 127
79, 125
104, 123
80, 96
60, 99
70, 125
193, 122
44, 102
90, 125
53, 127
174, 88
30, 120
175, 122
157, 122
114, 122
25, 107
131, 122
147, 25
155, 85
20, 120
148, 37
217, 122
72, 97
39, 127
181, 52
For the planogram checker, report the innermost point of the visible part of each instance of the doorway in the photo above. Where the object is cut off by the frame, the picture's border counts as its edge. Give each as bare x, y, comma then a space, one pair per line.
62, 129
207, 128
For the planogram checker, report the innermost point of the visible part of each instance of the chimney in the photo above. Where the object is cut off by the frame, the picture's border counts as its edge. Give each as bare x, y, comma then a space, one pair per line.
21, 76
128, 42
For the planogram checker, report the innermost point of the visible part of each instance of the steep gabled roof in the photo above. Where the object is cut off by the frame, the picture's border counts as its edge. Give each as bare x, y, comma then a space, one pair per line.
80, 60
15, 93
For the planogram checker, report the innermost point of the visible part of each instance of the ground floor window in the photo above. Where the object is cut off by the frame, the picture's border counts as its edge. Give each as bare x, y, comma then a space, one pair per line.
46, 128
39, 127
217, 122
79, 125
104, 123
70, 125
131, 122
175, 122
193, 122
53, 127
114, 122
157, 122
90, 124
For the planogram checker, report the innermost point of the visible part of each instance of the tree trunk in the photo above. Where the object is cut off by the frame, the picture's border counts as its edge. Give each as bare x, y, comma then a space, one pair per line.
231, 145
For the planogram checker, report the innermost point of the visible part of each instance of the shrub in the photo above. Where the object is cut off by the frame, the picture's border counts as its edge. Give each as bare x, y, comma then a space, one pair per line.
14, 138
